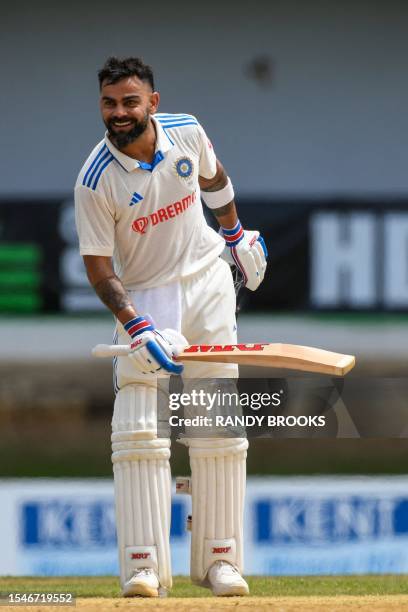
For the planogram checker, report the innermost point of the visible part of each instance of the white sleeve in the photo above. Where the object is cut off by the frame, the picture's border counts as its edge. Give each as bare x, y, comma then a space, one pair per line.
95, 222
208, 160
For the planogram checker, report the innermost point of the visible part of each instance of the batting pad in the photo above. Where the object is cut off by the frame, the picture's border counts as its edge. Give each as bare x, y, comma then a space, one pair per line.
218, 475
135, 411
142, 478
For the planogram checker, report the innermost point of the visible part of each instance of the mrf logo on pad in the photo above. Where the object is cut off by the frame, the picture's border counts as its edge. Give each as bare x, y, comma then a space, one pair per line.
219, 550
140, 555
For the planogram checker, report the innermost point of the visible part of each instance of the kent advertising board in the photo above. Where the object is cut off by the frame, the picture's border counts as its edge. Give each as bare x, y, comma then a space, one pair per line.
293, 526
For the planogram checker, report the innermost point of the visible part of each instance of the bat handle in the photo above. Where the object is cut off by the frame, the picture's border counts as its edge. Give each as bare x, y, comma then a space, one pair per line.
121, 350
111, 350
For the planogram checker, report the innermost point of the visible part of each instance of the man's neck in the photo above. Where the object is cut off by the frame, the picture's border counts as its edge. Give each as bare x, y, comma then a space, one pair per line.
144, 147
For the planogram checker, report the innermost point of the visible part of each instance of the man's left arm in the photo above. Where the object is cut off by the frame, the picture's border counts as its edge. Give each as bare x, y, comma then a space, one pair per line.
246, 249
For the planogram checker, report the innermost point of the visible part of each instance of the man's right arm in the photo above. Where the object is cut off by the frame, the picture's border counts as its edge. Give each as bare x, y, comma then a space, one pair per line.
152, 351
109, 287
95, 221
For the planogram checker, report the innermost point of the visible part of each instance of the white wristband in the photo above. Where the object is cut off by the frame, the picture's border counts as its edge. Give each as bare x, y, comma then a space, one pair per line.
216, 199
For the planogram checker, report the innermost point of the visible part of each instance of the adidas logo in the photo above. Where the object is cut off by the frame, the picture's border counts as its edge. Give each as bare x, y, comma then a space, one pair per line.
135, 198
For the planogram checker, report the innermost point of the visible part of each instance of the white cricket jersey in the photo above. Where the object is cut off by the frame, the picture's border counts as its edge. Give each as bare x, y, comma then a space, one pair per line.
149, 217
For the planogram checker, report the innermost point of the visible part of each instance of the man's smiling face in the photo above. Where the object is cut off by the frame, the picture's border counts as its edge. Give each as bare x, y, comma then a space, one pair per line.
126, 107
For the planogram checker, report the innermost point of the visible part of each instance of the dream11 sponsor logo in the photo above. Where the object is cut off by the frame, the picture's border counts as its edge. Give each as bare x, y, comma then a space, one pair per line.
166, 213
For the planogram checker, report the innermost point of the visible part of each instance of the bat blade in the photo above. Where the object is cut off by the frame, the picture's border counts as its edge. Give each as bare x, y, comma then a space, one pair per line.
275, 355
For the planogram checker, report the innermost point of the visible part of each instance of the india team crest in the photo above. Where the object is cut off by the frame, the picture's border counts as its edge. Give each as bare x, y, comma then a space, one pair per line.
184, 167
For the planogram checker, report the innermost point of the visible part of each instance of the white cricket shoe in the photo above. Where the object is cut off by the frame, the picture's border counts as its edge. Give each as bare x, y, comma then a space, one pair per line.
143, 583
225, 580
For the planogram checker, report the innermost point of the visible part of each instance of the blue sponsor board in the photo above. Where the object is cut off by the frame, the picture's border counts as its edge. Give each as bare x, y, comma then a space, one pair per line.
63, 534
315, 521
328, 526
293, 526
66, 524
62, 523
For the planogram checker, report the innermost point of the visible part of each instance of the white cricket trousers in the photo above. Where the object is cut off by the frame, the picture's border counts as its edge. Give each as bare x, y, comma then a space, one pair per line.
202, 308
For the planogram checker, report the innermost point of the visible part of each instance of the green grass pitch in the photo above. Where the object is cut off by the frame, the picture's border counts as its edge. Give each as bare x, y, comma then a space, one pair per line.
260, 586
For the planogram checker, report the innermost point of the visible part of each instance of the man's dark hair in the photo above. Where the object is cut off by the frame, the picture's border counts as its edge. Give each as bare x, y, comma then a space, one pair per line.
116, 69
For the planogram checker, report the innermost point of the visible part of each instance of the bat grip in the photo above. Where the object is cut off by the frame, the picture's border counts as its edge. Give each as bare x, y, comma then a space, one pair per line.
111, 350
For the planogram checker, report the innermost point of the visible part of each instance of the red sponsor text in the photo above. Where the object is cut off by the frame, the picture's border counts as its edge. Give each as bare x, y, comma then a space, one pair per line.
217, 550
140, 555
161, 215
212, 348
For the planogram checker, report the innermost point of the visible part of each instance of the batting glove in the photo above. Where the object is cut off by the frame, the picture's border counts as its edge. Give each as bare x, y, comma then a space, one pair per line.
153, 351
247, 250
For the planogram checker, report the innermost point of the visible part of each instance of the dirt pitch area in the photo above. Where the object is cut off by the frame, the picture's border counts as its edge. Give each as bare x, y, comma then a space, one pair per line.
382, 603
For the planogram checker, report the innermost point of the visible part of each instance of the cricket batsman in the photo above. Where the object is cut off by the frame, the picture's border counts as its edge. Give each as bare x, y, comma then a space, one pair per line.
163, 273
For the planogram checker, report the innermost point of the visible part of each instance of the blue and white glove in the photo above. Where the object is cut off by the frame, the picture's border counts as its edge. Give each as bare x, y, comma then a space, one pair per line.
152, 350
247, 250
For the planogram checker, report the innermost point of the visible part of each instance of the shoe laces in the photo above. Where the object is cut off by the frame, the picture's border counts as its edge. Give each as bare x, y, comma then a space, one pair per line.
143, 571
230, 569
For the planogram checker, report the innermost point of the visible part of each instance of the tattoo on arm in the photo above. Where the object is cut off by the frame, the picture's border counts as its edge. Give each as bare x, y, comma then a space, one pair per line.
224, 210
220, 180
217, 182
113, 294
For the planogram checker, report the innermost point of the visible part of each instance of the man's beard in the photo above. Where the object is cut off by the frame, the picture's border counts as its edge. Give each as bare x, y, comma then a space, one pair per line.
122, 139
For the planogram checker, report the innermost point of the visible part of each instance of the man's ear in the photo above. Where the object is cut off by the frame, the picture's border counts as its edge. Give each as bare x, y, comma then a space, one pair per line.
154, 102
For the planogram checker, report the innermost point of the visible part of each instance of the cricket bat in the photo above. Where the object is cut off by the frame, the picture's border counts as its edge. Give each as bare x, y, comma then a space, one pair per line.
275, 355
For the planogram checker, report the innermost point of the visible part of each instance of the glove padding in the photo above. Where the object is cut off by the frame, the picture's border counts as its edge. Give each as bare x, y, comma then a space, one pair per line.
153, 351
249, 255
